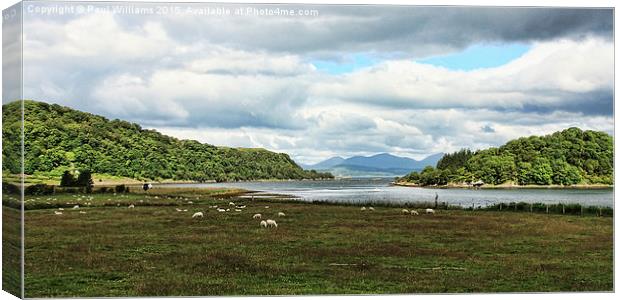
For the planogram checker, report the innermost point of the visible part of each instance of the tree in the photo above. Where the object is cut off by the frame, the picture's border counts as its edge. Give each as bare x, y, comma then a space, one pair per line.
85, 180
67, 179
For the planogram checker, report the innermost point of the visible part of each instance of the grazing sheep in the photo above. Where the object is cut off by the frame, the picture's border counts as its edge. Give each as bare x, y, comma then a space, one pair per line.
414, 212
190, 202
61, 208
281, 214
263, 224
240, 206
430, 211
405, 211
185, 210
198, 215
231, 203
178, 209
131, 206
82, 212
228, 209
266, 206
57, 212
76, 207
257, 216
272, 223
363, 208
237, 210
221, 210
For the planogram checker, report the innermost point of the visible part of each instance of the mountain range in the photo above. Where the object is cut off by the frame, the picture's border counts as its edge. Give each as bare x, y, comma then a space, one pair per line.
383, 164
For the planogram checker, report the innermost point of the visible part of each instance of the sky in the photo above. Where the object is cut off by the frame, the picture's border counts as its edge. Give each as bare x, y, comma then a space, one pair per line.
333, 81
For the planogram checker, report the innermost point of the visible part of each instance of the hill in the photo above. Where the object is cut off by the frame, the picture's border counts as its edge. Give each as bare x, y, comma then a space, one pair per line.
58, 138
383, 164
567, 157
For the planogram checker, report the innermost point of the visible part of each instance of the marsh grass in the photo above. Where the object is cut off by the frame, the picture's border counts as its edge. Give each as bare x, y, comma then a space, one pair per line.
154, 250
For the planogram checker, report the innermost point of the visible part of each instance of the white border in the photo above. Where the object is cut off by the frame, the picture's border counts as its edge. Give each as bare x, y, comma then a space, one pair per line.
557, 3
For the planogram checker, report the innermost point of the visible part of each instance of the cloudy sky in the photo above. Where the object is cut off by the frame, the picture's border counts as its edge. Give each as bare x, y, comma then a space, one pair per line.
341, 80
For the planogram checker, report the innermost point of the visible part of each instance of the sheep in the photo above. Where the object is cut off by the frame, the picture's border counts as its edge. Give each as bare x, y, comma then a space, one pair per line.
266, 206
257, 216
414, 212
272, 223
57, 212
430, 211
231, 203
263, 224
131, 206
371, 208
221, 210
281, 214
76, 207
61, 208
363, 208
178, 209
190, 202
198, 215
228, 209
405, 211
82, 212
237, 210
241, 206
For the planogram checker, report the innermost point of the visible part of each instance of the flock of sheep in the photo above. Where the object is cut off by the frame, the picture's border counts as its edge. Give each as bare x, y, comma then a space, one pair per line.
238, 208
268, 223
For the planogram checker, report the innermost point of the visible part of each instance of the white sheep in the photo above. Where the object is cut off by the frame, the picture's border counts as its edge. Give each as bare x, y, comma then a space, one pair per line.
231, 203
221, 210
178, 209
405, 211
82, 212
263, 224
272, 223
257, 216
414, 212
430, 211
60, 208
371, 208
363, 208
131, 206
281, 214
198, 215
57, 212
76, 207
237, 210
266, 206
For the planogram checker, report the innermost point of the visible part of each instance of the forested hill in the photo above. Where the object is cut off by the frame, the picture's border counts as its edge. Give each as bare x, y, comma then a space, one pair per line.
59, 138
567, 157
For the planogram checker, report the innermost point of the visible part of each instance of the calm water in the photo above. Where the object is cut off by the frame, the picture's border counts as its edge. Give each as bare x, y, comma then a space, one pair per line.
380, 191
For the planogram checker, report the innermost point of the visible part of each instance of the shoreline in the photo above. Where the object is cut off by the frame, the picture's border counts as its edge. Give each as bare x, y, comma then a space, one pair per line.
510, 187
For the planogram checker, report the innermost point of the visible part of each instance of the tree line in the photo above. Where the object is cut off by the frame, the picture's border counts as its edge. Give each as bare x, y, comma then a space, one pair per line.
58, 139
568, 157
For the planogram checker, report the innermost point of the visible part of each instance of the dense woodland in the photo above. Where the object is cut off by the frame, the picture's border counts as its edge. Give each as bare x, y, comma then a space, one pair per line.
568, 157
59, 138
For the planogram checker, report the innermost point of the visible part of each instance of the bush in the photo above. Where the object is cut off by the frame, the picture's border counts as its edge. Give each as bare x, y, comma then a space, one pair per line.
9, 188
121, 188
39, 189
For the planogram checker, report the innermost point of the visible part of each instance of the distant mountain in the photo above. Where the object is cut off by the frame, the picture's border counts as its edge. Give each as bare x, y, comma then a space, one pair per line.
383, 164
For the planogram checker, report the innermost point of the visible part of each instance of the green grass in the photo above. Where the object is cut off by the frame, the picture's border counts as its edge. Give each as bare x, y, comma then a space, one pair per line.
154, 250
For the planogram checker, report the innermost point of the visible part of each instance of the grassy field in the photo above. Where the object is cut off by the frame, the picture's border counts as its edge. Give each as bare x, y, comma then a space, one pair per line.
153, 249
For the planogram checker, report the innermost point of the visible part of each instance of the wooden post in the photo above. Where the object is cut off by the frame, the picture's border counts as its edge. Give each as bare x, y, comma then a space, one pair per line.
472, 207
547, 208
581, 206
563, 209
600, 212
515, 206
530, 207
500, 207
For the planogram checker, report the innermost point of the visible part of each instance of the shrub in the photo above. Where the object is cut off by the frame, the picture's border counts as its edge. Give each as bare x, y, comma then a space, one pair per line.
39, 189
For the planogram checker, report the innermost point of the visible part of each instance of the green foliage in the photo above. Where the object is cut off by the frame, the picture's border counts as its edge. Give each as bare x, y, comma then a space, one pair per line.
567, 157
60, 138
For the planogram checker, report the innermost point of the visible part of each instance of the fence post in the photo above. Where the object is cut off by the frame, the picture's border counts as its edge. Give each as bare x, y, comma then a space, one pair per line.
563, 209
600, 212
581, 206
547, 208
530, 207
515, 206
500, 207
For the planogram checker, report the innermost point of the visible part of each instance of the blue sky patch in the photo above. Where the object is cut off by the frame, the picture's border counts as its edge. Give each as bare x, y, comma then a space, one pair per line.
351, 63
479, 56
